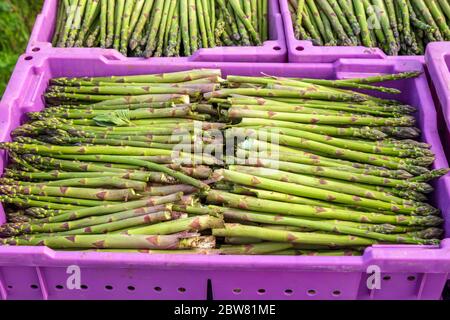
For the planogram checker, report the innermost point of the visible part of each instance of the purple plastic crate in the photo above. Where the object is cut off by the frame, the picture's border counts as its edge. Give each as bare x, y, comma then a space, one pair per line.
273, 50
407, 272
305, 51
438, 62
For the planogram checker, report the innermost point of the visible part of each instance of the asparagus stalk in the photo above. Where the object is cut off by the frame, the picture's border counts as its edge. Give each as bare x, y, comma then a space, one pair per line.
198, 223
193, 26
129, 6
342, 17
331, 15
30, 202
72, 192
110, 23
394, 151
445, 6
320, 194
333, 173
232, 230
92, 10
103, 22
155, 47
133, 222
424, 11
149, 165
264, 150
152, 214
114, 208
311, 27
237, 113
99, 150
357, 132
120, 7
439, 18
135, 15
61, 20
170, 242
313, 13
140, 24
174, 77
246, 21
386, 26
290, 209
173, 33
201, 14
326, 184
323, 253
254, 249
322, 226
69, 201
112, 182
351, 14
68, 26
298, 22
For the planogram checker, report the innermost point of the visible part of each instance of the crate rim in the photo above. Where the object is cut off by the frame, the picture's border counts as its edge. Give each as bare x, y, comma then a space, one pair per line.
439, 70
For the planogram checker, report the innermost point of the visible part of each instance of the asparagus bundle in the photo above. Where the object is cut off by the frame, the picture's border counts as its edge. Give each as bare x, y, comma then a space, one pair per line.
82, 170
319, 164
402, 27
155, 28
135, 164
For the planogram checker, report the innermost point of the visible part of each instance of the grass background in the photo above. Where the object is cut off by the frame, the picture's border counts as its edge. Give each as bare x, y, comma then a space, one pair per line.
16, 21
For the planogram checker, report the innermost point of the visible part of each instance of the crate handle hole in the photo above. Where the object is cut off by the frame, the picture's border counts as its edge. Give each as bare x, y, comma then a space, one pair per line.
237, 291
84, 287
109, 287
37, 49
277, 48
300, 48
312, 292
34, 286
411, 278
157, 289
131, 288
59, 287
28, 58
288, 292
10, 287
181, 290
336, 293
387, 278
261, 291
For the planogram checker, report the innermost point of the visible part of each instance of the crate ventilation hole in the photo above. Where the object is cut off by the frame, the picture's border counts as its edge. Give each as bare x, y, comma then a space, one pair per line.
288, 292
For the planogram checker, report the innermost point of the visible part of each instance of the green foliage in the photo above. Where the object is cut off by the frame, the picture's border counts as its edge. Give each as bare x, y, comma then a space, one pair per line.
16, 21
